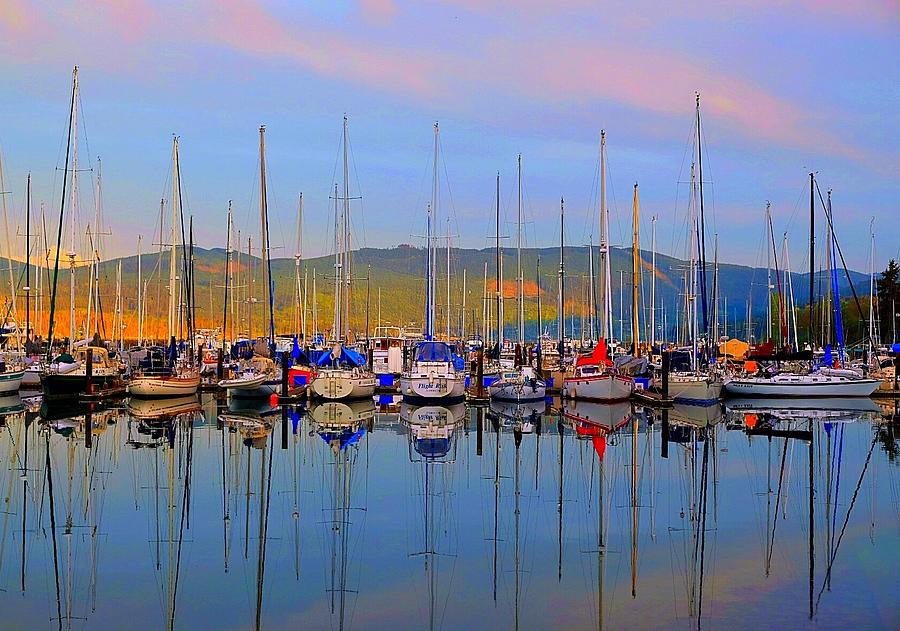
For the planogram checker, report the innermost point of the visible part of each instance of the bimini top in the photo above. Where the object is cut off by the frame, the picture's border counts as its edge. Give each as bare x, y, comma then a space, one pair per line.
433, 352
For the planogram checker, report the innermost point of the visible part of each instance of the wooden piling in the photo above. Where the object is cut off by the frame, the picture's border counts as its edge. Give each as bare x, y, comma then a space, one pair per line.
89, 371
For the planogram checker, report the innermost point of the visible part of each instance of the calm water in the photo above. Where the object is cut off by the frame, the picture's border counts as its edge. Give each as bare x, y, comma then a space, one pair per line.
394, 517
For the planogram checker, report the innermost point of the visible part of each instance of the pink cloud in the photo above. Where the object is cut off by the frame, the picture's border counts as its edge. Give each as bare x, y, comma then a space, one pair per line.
378, 11
539, 65
16, 17
246, 26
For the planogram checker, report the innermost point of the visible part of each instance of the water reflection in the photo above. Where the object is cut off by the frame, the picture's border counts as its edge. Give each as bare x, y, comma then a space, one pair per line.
378, 514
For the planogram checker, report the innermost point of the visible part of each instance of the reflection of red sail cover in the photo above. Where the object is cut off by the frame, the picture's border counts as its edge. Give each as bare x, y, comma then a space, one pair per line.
598, 357
597, 434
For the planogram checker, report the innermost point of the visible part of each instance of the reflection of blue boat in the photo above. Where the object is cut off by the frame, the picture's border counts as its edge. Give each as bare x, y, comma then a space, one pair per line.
432, 428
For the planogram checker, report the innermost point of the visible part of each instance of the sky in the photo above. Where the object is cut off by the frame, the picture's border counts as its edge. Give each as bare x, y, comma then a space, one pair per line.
787, 87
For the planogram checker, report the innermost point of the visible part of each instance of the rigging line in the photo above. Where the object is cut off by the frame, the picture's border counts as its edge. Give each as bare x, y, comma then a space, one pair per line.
841, 253
846, 519
59, 230
777, 504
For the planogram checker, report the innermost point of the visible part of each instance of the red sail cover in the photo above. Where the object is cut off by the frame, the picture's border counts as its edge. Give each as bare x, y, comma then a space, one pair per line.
598, 357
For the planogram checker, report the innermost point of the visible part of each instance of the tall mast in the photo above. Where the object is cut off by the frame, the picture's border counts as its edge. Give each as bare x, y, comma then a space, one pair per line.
173, 289
346, 239
72, 209
768, 277
605, 330
592, 298
653, 282
300, 298
520, 281
872, 341
561, 307
635, 277
702, 250
140, 296
62, 208
9, 252
499, 272
812, 258
225, 304
447, 308
537, 282
691, 319
264, 219
432, 233
338, 269
28, 258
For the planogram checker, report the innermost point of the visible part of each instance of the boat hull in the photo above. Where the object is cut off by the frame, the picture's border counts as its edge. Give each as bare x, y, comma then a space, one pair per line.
515, 392
56, 386
435, 390
163, 386
695, 390
11, 380
336, 385
603, 387
823, 388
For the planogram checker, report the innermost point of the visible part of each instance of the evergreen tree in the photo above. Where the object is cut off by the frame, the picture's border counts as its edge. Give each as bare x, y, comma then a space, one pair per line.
889, 299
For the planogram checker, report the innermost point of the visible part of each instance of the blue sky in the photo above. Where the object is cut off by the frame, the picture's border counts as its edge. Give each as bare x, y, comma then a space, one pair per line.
787, 87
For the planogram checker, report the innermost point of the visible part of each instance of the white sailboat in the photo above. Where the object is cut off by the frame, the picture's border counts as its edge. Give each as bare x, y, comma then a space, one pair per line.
831, 380
180, 377
522, 383
258, 377
432, 376
700, 384
340, 374
594, 377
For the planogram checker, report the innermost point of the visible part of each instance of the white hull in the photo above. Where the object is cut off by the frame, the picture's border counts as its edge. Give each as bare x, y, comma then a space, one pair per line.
341, 383
32, 377
433, 388
800, 386
605, 387
515, 392
158, 386
694, 388
11, 381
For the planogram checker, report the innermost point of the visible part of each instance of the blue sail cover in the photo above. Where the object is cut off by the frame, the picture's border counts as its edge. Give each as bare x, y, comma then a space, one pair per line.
346, 358
433, 352
345, 437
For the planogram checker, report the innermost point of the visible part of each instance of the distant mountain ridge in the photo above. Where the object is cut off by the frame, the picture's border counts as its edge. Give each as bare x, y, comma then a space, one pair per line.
398, 273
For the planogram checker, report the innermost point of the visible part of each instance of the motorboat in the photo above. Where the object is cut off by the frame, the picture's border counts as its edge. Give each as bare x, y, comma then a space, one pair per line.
66, 375
254, 378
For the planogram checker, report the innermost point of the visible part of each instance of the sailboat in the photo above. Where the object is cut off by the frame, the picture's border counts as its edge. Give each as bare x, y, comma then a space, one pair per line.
12, 367
342, 374
433, 376
522, 383
180, 377
66, 375
595, 378
698, 384
258, 377
829, 380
